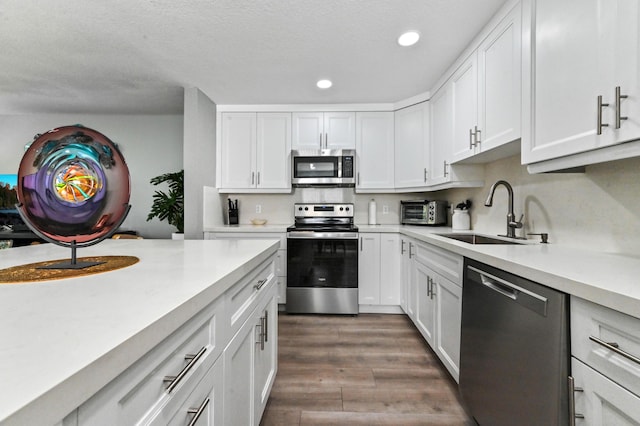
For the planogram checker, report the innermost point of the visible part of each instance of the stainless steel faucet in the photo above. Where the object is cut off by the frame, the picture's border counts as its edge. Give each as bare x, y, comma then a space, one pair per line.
512, 224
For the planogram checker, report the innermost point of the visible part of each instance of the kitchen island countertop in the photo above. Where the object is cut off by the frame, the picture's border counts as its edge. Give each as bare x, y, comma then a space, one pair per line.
61, 341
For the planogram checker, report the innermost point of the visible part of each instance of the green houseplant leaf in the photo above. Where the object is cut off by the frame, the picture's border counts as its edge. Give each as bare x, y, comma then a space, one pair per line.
169, 205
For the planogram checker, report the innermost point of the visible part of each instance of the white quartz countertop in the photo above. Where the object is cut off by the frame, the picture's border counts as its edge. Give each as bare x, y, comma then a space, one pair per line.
61, 341
609, 279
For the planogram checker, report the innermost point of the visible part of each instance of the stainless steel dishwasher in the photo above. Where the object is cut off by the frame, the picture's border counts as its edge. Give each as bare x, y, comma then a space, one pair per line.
514, 351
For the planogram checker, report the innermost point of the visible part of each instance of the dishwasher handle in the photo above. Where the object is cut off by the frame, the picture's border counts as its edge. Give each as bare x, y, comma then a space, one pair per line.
522, 296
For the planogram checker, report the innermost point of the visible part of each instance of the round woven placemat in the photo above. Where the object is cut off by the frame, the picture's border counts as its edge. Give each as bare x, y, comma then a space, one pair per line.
31, 273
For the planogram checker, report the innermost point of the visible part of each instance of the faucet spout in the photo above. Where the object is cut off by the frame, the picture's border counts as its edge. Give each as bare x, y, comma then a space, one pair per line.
512, 224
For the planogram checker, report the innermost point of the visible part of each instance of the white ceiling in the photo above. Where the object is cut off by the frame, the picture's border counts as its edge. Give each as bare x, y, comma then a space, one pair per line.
135, 56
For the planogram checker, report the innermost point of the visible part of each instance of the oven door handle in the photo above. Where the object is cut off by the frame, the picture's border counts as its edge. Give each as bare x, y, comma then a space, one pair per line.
311, 235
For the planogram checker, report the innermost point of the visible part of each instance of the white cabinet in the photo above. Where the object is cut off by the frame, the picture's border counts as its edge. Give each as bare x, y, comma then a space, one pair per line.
323, 130
486, 95
448, 298
411, 146
405, 273
425, 305
374, 151
379, 270
605, 364
255, 152
602, 402
250, 362
575, 54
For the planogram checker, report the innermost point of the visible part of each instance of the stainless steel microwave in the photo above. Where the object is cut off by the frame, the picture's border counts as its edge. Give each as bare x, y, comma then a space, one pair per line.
323, 167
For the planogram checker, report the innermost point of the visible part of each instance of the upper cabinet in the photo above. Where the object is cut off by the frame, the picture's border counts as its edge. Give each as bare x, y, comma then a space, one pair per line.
324, 130
374, 151
411, 146
487, 95
255, 152
581, 75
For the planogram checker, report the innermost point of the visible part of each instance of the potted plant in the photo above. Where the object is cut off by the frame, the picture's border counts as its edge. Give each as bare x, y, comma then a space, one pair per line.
169, 206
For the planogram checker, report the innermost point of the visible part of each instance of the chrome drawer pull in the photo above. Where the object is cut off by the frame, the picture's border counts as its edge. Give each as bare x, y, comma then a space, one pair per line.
266, 326
197, 412
619, 116
615, 348
174, 380
572, 402
260, 284
599, 123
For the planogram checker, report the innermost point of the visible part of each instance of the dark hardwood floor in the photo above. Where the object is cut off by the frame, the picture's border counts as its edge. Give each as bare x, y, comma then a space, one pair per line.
366, 370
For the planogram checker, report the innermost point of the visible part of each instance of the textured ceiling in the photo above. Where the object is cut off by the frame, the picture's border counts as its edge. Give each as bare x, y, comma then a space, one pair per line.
135, 56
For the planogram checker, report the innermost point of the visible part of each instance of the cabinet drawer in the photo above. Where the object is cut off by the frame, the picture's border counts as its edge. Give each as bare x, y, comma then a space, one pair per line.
447, 264
242, 297
589, 322
141, 390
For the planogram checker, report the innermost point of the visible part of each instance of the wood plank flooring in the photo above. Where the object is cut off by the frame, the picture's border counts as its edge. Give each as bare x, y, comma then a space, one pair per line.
365, 370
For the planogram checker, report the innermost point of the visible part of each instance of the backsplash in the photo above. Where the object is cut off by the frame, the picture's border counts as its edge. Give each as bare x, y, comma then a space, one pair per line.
599, 209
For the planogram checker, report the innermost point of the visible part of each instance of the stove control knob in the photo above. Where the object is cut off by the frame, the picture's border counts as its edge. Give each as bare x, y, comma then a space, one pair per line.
347, 208
341, 208
306, 208
299, 208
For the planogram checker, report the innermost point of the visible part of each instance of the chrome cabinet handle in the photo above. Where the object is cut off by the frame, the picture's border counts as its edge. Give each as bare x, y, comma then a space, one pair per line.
572, 402
320, 140
261, 334
253, 176
612, 346
410, 246
326, 140
197, 412
477, 136
425, 175
600, 124
619, 116
260, 284
174, 380
266, 326
445, 168
358, 178
402, 243
471, 136
258, 178
429, 287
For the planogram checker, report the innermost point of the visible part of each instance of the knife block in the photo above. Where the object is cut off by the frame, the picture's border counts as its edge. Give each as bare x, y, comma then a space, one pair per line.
233, 216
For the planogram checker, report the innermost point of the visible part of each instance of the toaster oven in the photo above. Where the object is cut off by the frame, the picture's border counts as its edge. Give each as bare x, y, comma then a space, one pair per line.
423, 212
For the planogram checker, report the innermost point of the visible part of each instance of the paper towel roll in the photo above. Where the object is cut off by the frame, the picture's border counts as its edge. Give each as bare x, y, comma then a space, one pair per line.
372, 212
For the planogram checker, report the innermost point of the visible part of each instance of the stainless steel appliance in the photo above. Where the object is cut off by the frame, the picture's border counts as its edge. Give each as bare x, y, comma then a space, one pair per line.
323, 167
514, 351
322, 260
423, 212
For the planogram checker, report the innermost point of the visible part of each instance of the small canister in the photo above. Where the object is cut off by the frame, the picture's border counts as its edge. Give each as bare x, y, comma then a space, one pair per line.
460, 221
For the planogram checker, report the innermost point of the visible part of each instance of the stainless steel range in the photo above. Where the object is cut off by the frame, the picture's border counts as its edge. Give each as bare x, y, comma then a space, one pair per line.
322, 260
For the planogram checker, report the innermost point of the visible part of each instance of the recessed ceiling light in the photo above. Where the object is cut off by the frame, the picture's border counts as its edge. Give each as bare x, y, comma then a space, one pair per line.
409, 38
324, 84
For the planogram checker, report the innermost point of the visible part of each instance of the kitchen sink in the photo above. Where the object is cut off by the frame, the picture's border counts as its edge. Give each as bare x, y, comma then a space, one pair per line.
480, 239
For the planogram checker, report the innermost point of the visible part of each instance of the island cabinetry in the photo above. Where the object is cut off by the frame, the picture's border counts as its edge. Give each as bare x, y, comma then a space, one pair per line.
379, 271
434, 300
605, 365
158, 384
374, 151
324, 130
255, 152
281, 255
582, 90
250, 363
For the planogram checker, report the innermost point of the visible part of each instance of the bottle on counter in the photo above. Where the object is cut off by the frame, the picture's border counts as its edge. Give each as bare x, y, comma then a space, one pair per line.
372, 212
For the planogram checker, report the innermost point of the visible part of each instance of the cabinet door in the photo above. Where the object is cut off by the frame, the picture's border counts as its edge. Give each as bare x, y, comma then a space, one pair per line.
339, 130
405, 273
412, 297
464, 88
374, 150
308, 130
205, 402
602, 402
426, 307
238, 150
273, 161
441, 135
411, 136
390, 269
499, 79
567, 65
266, 352
448, 297
369, 269
238, 377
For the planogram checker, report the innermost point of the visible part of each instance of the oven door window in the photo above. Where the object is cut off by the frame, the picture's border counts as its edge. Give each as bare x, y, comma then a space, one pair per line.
325, 263
313, 167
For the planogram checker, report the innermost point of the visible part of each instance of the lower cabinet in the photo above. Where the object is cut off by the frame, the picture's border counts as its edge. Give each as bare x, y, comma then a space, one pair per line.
379, 270
250, 364
432, 283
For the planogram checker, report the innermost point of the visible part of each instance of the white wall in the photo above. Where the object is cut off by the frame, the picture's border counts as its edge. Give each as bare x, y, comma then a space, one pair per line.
150, 144
199, 159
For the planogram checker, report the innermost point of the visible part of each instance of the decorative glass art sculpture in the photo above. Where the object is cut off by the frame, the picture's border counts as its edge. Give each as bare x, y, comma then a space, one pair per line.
73, 188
